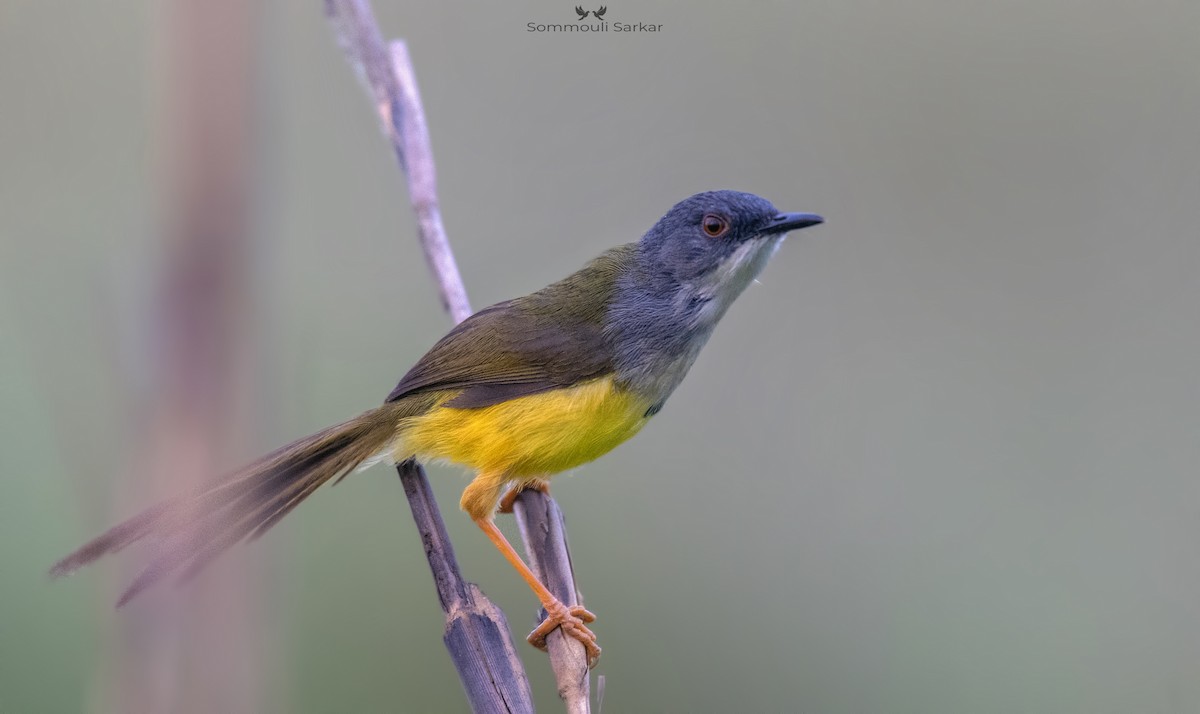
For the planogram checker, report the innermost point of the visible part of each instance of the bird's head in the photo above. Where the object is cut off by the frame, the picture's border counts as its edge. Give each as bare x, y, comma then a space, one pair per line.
716, 242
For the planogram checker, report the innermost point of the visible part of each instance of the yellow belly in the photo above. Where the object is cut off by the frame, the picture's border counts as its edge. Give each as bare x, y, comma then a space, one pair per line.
534, 436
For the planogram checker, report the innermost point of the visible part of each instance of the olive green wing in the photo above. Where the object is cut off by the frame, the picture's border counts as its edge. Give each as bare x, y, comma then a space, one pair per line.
551, 339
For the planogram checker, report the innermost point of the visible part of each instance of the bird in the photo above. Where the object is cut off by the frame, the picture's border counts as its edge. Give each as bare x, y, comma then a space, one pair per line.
518, 392
600, 13
581, 12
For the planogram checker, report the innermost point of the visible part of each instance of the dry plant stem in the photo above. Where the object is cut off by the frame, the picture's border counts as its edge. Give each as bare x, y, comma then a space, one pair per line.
422, 191
547, 549
550, 548
545, 536
477, 634
473, 622
392, 84
565, 652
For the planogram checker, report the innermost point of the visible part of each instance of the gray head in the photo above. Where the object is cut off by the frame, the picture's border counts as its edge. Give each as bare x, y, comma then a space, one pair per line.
690, 267
719, 239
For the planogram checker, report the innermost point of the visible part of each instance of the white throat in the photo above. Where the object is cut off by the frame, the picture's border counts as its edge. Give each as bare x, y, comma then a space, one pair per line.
721, 286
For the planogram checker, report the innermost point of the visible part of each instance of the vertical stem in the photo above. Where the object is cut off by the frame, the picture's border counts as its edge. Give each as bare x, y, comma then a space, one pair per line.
477, 633
391, 82
202, 652
545, 535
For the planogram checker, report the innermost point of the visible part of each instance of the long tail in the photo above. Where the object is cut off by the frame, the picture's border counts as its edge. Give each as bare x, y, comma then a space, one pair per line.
192, 530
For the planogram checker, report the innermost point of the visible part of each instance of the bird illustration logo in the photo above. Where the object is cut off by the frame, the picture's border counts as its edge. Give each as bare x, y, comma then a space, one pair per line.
582, 13
600, 13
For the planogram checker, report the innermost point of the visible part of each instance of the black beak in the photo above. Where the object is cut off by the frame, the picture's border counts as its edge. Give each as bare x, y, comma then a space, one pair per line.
785, 222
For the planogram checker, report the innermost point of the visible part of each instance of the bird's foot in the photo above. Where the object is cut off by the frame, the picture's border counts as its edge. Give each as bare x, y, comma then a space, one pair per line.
506, 501
572, 621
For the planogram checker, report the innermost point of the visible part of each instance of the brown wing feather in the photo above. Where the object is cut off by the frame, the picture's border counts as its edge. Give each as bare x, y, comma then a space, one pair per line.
551, 339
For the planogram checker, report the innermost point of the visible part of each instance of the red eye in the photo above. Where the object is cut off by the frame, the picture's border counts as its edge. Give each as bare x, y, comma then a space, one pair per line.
715, 226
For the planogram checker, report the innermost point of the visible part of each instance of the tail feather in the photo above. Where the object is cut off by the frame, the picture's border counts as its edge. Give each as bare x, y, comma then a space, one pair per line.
113, 540
192, 530
282, 511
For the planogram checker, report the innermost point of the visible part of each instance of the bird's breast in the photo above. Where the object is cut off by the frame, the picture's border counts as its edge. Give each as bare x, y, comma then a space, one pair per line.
655, 375
532, 436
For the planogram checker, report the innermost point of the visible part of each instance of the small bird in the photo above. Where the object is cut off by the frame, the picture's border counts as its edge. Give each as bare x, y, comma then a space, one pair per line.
518, 392
600, 13
581, 12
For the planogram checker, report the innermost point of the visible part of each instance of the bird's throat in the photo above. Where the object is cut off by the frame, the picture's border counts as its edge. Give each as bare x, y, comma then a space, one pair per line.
724, 283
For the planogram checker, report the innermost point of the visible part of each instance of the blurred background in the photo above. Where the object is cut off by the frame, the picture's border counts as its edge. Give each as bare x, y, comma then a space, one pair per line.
943, 459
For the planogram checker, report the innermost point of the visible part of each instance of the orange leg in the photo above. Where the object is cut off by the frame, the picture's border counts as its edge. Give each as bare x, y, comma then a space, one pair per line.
506, 503
571, 619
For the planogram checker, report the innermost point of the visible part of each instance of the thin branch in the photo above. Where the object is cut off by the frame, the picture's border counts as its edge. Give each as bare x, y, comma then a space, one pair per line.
392, 83
545, 536
548, 550
422, 188
477, 634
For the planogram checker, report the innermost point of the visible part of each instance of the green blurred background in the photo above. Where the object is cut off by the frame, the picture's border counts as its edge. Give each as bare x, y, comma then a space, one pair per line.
943, 459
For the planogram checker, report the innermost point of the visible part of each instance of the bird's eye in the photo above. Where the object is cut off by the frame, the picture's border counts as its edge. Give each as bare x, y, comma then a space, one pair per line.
715, 226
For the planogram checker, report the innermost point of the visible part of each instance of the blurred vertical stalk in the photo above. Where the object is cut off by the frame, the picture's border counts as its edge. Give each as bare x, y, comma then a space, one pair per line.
199, 650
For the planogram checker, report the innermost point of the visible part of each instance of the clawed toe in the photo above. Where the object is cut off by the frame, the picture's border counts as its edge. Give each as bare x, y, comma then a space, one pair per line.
571, 620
